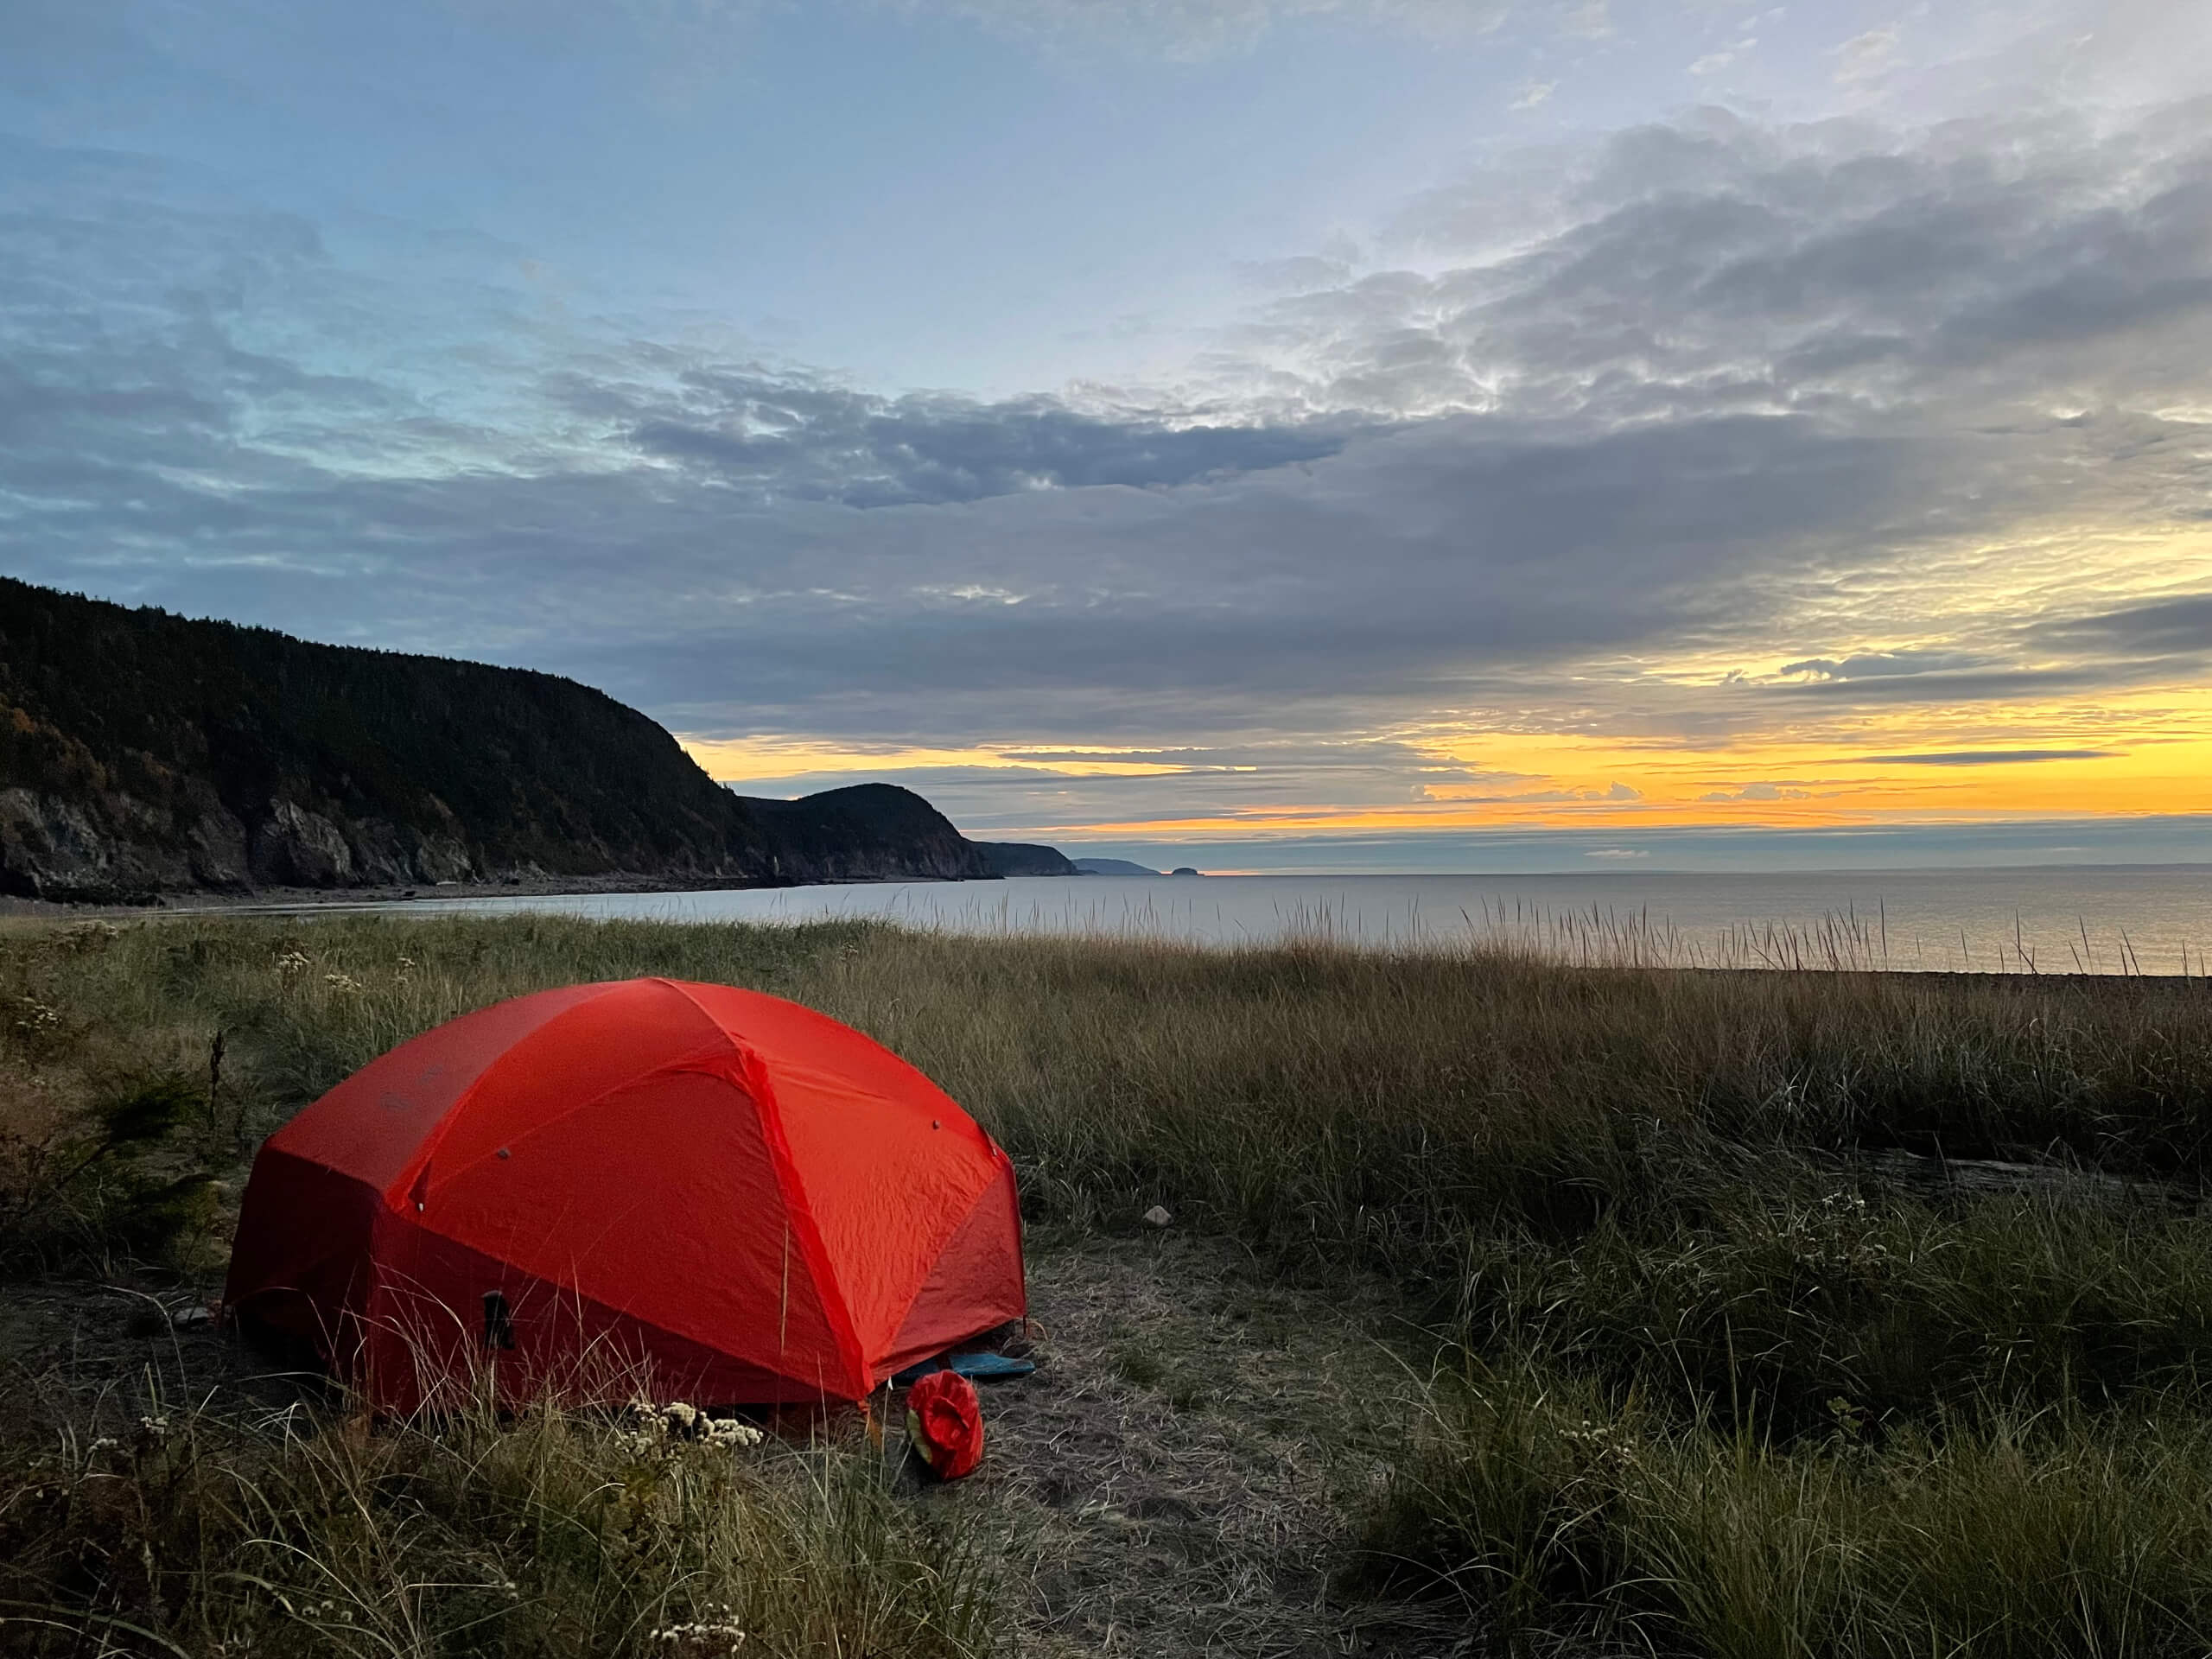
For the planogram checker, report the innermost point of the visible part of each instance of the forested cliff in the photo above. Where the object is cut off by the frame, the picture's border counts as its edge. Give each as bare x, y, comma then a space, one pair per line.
144, 752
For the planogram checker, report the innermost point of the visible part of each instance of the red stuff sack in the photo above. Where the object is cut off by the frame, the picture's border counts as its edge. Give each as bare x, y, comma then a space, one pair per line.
945, 1422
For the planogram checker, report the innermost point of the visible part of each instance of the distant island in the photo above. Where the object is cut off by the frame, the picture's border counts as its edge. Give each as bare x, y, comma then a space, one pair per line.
144, 753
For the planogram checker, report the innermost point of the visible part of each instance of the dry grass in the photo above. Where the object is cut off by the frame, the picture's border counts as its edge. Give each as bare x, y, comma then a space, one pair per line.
197, 1531
1662, 1200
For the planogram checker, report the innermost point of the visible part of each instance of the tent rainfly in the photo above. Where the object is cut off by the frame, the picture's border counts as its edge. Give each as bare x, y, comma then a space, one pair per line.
715, 1194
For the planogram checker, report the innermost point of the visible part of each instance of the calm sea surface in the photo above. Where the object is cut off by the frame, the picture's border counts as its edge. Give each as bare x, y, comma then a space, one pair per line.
2064, 919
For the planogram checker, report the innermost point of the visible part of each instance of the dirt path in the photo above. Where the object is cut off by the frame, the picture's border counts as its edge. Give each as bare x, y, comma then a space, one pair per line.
1176, 1478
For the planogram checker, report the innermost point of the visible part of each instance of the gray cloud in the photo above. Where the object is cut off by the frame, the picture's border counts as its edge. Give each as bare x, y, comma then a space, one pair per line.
2167, 627
1996, 685
1476, 557
1305, 757
1272, 777
1882, 665
794, 437
1721, 265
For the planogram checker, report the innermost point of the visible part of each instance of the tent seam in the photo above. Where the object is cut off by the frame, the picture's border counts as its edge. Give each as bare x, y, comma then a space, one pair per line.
800, 1213
416, 1169
797, 1211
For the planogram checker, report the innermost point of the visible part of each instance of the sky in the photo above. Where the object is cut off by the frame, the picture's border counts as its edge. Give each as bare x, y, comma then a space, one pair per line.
1269, 435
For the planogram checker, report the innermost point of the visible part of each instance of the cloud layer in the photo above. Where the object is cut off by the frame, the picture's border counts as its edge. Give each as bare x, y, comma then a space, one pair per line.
1705, 435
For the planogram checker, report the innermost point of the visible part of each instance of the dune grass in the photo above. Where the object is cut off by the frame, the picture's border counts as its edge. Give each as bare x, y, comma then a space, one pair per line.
1711, 1371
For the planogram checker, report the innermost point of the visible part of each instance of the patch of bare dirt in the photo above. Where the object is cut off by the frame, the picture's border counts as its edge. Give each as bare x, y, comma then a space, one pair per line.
97, 1353
1179, 1474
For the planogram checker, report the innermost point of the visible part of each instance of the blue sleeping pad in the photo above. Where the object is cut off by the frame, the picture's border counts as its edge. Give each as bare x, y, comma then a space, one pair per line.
977, 1367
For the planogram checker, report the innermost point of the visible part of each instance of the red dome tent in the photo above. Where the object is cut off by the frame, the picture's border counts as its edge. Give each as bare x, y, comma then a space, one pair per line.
756, 1202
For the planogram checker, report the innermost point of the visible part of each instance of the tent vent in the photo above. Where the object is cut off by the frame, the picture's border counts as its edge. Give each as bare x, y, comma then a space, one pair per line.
498, 1324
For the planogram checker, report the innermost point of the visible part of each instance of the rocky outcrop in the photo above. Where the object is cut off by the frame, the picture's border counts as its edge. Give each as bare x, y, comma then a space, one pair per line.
53, 847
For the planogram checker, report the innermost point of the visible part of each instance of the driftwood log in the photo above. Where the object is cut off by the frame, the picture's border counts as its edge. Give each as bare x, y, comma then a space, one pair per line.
1996, 1177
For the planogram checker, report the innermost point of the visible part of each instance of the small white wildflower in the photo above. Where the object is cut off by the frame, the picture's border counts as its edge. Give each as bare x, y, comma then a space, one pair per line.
292, 962
682, 1415
728, 1434
1611, 1441
341, 981
647, 1440
718, 1635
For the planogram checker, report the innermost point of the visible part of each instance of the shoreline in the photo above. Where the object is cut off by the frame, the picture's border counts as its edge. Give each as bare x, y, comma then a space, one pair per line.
367, 902
1830, 923
286, 900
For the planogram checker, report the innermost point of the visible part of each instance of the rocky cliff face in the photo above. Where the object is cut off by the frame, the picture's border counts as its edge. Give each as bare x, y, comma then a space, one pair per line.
142, 753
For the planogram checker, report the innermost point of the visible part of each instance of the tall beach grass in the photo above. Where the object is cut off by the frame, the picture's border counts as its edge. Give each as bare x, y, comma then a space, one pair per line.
1731, 1360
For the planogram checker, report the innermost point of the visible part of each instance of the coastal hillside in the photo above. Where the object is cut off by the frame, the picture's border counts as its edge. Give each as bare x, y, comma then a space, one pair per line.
1026, 858
142, 752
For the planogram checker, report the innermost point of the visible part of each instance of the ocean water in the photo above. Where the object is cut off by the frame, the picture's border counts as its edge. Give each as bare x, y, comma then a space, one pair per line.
2151, 920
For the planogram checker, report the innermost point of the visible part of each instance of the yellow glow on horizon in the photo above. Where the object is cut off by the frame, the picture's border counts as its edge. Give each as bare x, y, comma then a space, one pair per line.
1707, 735
1772, 786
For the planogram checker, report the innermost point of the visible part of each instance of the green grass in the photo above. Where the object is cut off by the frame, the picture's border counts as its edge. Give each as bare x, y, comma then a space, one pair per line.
1716, 1376
1991, 1533
1778, 1299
